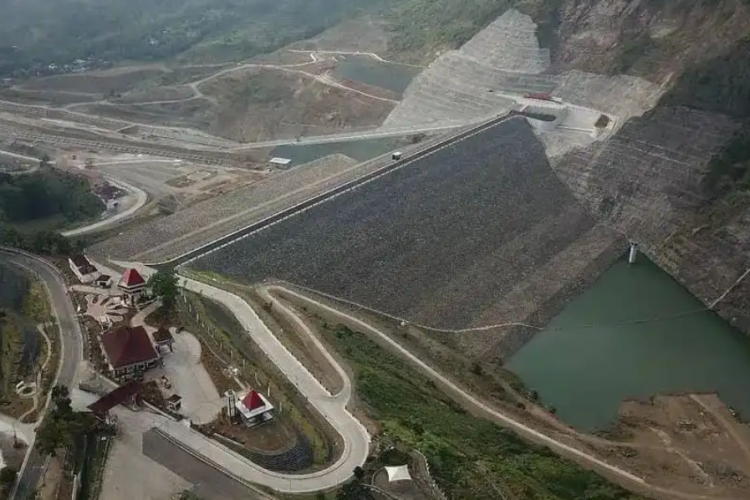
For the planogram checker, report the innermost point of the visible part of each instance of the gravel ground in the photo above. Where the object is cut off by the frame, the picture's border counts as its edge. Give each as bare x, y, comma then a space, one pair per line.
440, 241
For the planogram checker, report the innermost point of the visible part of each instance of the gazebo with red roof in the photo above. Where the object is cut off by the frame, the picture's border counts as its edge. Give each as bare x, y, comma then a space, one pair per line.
254, 408
132, 284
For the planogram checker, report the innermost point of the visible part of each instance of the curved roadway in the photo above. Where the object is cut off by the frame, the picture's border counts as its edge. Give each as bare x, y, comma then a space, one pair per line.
141, 199
332, 407
71, 351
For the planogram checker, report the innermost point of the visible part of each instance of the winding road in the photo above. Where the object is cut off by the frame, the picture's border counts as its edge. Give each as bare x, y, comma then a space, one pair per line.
141, 199
333, 407
71, 352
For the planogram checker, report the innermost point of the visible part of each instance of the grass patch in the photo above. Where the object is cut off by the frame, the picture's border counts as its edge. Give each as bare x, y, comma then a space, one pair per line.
49, 371
11, 348
469, 456
36, 303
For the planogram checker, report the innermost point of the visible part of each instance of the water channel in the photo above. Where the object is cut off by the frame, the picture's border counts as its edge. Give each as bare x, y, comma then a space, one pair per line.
360, 150
634, 333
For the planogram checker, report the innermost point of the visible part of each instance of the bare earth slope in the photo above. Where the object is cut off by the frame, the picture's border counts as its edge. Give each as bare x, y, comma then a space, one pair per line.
461, 237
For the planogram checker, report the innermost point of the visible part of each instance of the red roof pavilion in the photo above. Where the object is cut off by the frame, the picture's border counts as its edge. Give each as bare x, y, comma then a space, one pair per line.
131, 279
253, 401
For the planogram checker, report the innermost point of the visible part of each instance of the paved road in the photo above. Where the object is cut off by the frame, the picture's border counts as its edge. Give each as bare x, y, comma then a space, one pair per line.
141, 199
355, 437
378, 133
209, 483
72, 349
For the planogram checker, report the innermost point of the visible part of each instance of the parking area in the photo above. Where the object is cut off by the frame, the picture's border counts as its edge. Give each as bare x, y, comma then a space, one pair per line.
183, 373
129, 473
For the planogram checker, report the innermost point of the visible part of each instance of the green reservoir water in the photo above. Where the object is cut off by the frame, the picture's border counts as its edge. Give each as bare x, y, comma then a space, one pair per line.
633, 334
389, 76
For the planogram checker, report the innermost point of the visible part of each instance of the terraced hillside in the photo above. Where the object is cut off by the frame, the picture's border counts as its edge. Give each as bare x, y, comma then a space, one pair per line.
460, 84
505, 60
479, 232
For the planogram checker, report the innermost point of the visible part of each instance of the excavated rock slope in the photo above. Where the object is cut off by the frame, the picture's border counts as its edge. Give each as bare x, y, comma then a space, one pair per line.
656, 40
505, 60
645, 183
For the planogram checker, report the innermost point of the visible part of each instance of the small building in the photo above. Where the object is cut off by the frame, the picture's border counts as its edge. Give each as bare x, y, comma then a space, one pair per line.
396, 155
128, 351
85, 271
254, 408
132, 285
163, 338
103, 281
174, 402
280, 162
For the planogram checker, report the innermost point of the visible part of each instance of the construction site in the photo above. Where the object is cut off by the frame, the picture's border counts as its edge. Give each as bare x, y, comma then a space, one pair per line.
503, 190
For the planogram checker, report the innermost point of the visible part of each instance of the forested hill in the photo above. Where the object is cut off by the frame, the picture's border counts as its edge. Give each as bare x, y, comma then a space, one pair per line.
43, 194
37, 33
33, 206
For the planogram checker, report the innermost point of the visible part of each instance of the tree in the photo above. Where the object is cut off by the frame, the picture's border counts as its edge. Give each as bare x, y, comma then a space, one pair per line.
8, 476
163, 284
50, 436
359, 473
189, 495
61, 398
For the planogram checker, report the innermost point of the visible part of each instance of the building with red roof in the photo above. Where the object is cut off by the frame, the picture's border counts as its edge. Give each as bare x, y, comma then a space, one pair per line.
128, 351
132, 285
254, 408
125, 394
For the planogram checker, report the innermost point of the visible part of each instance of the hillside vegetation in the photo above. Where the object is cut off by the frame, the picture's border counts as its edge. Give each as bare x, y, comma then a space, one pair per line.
46, 193
33, 206
423, 26
471, 458
37, 33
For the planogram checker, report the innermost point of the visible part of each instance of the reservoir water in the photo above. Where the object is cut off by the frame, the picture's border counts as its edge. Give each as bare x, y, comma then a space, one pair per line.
634, 333
390, 76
